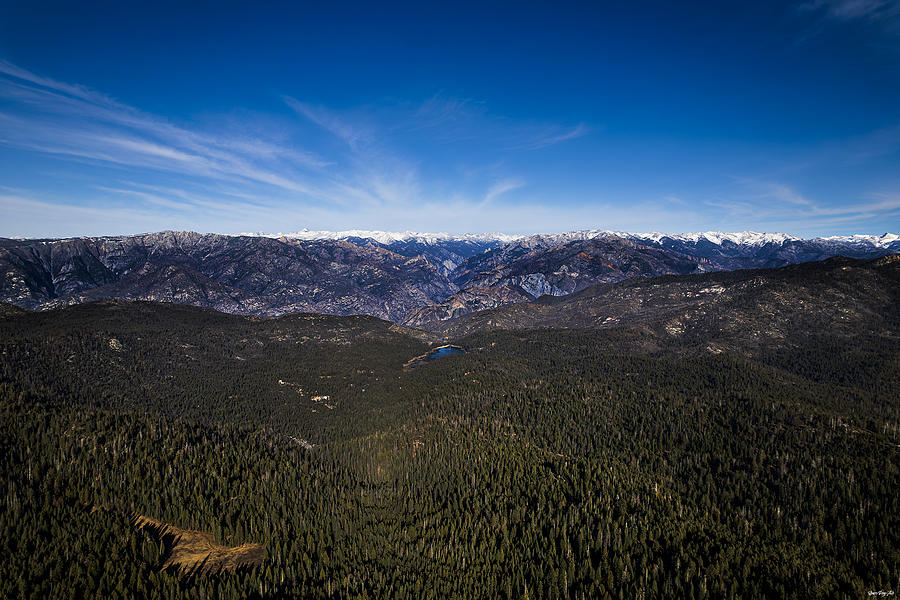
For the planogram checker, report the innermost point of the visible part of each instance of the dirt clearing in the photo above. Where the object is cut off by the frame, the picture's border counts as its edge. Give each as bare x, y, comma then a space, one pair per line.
194, 552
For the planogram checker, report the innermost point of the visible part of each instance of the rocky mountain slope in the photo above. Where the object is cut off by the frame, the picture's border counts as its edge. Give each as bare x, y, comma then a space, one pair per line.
465, 301
526, 269
405, 277
751, 250
558, 270
443, 250
253, 275
559, 264
739, 250
746, 308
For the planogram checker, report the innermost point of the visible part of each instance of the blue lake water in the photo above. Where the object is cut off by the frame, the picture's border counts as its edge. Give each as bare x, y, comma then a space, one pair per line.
432, 356
442, 352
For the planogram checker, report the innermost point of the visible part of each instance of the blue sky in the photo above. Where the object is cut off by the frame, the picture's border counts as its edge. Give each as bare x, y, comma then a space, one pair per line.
124, 117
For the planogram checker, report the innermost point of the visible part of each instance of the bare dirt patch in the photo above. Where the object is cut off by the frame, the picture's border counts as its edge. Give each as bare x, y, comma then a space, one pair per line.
194, 552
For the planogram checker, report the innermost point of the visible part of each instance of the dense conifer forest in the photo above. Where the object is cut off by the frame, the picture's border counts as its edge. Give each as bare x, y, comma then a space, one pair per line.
547, 463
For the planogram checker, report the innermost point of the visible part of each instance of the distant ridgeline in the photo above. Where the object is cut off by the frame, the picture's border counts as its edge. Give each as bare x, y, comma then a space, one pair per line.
714, 435
411, 279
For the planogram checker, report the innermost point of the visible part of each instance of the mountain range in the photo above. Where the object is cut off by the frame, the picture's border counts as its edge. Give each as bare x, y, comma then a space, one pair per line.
719, 311
409, 278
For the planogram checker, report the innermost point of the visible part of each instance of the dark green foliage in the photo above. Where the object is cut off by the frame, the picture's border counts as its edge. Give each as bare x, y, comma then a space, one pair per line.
539, 464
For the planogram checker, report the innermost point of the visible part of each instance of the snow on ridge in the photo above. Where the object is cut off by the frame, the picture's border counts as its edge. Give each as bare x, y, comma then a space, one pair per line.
879, 241
740, 238
389, 237
753, 238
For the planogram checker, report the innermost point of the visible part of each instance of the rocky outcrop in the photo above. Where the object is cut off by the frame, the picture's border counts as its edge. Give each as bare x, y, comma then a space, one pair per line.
466, 301
573, 266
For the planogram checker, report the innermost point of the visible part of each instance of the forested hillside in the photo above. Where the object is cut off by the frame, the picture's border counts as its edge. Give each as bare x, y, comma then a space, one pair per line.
542, 463
741, 310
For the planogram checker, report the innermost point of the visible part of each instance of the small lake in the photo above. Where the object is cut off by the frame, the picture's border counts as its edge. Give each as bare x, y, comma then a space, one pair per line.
444, 351
433, 354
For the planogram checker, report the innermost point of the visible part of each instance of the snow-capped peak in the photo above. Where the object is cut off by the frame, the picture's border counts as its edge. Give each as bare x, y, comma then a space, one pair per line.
879, 241
742, 238
389, 237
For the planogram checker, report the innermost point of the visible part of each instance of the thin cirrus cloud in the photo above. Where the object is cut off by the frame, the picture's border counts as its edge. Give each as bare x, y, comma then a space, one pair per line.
554, 136
848, 10
67, 120
439, 120
879, 15
453, 120
500, 188
781, 207
377, 166
332, 122
75, 161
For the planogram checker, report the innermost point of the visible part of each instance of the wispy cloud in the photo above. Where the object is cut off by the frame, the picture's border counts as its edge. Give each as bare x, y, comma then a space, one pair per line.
776, 206
67, 120
783, 194
444, 163
41, 218
331, 121
382, 160
500, 188
881, 142
880, 17
848, 10
551, 136
454, 120
441, 111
